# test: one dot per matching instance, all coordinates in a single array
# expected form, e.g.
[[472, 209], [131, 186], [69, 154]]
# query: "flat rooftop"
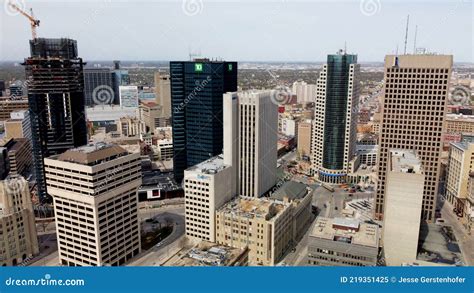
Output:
[[405, 161], [211, 166], [207, 254], [92, 154], [460, 117], [291, 190], [249, 207], [346, 230]]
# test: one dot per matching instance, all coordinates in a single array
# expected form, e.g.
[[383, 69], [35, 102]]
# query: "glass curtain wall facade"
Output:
[[197, 89]]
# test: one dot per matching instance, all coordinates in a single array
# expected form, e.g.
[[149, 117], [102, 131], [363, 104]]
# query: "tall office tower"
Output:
[[414, 104], [99, 86], [17, 222], [335, 118], [163, 94], [304, 138], [206, 188], [16, 90], [95, 192], [403, 201], [56, 101], [196, 99], [250, 140], [120, 78], [460, 165]]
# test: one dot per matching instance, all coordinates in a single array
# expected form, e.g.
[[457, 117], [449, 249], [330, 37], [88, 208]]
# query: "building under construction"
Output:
[[55, 81]]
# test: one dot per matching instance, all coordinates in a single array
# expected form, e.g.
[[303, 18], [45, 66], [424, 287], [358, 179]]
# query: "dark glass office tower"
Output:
[[197, 89], [55, 81], [335, 126], [99, 86]]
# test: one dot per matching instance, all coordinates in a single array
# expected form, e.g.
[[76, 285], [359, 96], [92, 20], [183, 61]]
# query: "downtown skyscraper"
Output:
[[54, 74], [250, 141], [335, 118], [196, 100], [414, 107]]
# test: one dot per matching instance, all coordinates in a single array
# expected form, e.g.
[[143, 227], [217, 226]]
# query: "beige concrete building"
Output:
[[460, 165], [19, 155], [131, 126], [18, 126], [209, 254], [163, 93], [469, 210], [414, 106], [150, 114], [267, 226], [18, 239], [94, 189], [403, 207], [343, 242], [206, 189], [304, 138], [9, 105], [458, 123]]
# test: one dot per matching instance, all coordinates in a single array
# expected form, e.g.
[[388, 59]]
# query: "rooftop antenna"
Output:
[[345, 47], [414, 41], [396, 52], [406, 35]]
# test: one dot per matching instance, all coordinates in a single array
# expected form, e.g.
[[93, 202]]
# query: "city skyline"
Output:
[[147, 33]]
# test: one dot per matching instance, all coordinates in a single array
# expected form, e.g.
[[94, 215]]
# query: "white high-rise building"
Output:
[[335, 118], [304, 92], [206, 188], [250, 140], [94, 188]]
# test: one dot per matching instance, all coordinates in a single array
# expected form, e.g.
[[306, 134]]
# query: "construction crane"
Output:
[[33, 21]]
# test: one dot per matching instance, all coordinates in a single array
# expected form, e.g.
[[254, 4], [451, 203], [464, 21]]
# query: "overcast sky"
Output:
[[242, 30]]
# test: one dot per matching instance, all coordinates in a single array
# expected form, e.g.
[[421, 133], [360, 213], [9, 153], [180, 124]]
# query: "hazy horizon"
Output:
[[246, 31]]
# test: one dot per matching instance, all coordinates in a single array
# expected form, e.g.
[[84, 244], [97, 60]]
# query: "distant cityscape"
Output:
[[210, 162]]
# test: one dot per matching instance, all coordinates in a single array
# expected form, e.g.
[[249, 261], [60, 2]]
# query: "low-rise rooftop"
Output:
[[92, 154], [209, 254], [346, 230], [249, 207], [405, 161], [211, 166], [291, 190]]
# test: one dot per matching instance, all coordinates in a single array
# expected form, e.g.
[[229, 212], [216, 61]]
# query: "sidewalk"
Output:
[[465, 241]]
